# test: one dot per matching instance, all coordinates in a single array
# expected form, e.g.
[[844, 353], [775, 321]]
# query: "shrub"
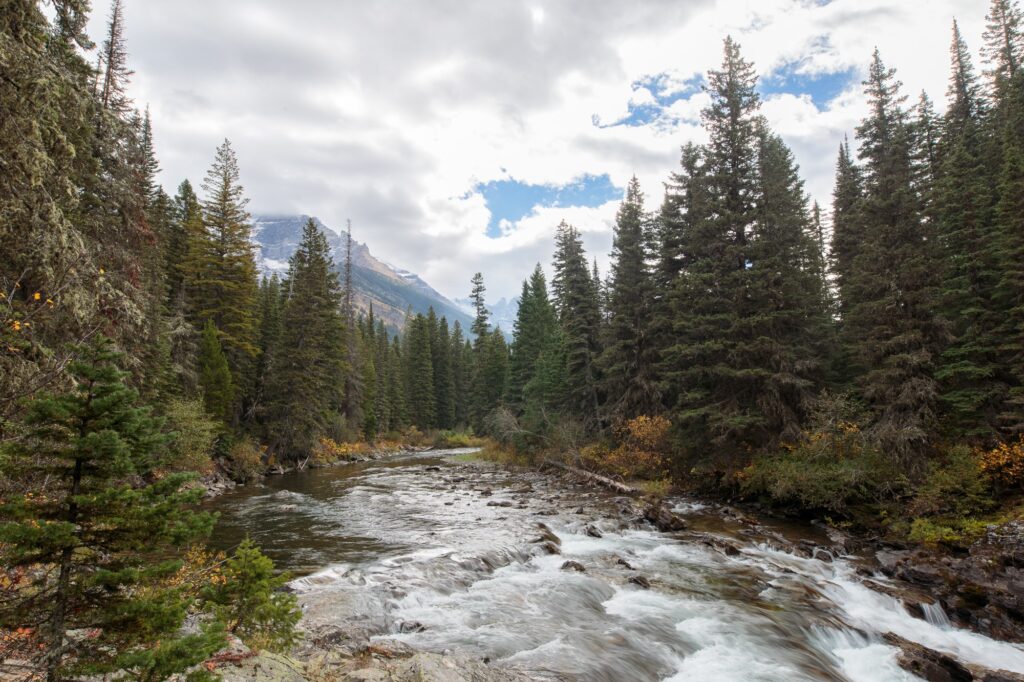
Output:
[[328, 451], [245, 460], [457, 439], [834, 466], [249, 603], [642, 451], [955, 486], [1004, 464], [195, 433]]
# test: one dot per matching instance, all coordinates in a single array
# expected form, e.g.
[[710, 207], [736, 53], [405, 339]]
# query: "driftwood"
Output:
[[604, 481]]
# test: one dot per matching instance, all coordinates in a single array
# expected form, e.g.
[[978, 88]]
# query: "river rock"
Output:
[[264, 667], [499, 503], [982, 590], [407, 626], [593, 531], [574, 566], [663, 519], [721, 544], [926, 663], [622, 562], [546, 535], [640, 581]]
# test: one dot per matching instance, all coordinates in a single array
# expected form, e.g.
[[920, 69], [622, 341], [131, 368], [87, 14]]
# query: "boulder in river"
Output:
[[593, 531], [640, 581], [926, 663], [662, 518], [574, 566]]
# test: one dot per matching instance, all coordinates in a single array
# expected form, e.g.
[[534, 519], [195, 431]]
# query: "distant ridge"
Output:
[[390, 289]]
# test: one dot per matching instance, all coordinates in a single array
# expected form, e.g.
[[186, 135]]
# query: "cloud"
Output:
[[395, 114]]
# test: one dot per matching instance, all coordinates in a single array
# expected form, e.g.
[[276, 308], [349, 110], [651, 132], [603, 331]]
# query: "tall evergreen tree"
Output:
[[535, 323], [970, 374], [220, 269], [444, 379], [629, 359], [419, 373], [580, 319], [892, 320], [307, 373], [114, 61]]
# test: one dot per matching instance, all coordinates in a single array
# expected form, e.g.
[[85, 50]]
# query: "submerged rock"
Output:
[[574, 566], [926, 663]]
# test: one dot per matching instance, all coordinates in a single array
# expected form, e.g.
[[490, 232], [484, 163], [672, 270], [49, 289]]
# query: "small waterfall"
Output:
[[936, 615]]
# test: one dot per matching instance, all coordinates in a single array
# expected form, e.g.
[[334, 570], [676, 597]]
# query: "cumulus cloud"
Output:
[[390, 113]]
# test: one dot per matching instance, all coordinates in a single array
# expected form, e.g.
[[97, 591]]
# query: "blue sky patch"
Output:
[[822, 87], [513, 200], [665, 93]]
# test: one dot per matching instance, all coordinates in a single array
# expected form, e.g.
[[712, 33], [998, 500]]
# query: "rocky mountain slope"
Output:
[[392, 291]]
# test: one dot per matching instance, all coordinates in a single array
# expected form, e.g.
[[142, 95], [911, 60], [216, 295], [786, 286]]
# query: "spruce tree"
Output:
[[462, 366], [114, 60], [972, 383], [104, 520], [215, 375], [220, 269], [580, 320], [306, 377], [629, 358], [419, 373], [891, 318], [535, 323], [444, 378]]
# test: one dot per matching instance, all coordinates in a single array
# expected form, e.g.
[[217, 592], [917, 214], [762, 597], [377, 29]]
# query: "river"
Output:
[[446, 554]]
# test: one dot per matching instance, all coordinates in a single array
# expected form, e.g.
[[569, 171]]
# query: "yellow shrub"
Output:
[[1004, 464], [641, 453], [328, 450]]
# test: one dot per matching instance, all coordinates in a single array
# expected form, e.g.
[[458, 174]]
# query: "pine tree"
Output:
[[114, 56], [214, 375], [444, 379], [396, 386], [580, 319], [481, 323], [419, 373], [99, 525], [307, 374], [891, 315], [461, 363], [970, 373], [629, 359], [1003, 48], [535, 323], [220, 269]]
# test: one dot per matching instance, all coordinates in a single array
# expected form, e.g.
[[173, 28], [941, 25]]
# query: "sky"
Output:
[[457, 135]]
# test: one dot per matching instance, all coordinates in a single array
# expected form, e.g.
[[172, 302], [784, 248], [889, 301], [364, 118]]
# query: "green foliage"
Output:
[[306, 379], [250, 603], [245, 460], [833, 467], [194, 435], [955, 486], [215, 375], [96, 522]]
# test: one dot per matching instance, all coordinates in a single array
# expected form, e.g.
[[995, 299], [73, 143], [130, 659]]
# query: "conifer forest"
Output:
[[776, 439]]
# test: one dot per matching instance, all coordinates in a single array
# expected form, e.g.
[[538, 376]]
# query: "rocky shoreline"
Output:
[[219, 481]]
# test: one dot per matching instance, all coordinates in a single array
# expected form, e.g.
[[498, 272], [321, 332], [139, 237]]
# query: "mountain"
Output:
[[391, 290]]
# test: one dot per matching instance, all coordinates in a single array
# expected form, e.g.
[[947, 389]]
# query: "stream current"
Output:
[[449, 555]]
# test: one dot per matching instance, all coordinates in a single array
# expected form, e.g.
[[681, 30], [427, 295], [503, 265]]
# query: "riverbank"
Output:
[[486, 562]]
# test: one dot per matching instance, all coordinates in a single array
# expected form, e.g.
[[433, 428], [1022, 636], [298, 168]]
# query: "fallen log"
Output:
[[592, 477]]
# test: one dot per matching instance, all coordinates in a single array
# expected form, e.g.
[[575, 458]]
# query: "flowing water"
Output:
[[447, 555]]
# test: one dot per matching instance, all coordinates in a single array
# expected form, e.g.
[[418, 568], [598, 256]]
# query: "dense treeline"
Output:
[[818, 369]]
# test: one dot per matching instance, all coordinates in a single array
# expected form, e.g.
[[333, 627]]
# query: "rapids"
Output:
[[444, 555]]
